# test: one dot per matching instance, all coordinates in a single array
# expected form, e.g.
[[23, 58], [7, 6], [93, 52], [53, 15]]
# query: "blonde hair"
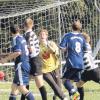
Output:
[[28, 22], [43, 30], [86, 36]]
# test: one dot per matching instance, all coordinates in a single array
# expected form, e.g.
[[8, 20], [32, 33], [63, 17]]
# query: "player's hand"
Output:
[[30, 50]]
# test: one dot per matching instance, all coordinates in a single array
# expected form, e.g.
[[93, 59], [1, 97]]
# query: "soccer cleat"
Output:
[[75, 96]]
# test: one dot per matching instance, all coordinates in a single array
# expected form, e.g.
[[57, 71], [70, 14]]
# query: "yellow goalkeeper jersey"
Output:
[[48, 54]]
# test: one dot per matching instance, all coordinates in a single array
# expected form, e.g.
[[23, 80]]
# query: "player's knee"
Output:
[[23, 89], [39, 81]]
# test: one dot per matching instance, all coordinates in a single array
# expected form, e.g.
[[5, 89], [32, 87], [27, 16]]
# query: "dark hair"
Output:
[[76, 25], [14, 29]]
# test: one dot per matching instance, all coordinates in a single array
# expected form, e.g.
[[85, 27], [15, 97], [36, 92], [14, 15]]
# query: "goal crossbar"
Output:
[[57, 4]]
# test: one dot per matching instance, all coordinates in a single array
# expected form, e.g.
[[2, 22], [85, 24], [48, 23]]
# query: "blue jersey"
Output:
[[19, 45], [75, 45]]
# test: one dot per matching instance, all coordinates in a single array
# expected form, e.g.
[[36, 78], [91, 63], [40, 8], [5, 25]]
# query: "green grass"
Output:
[[92, 91]]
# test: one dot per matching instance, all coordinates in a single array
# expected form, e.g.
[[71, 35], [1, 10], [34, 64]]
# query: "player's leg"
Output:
[[27, 86], [93, 75], [40, 84], [73, 93], [80, 89], [22, 79], [85, 76], [81, 92], [14, 92], [25, 92], [57, 75], [71, 74], [57, 78], [36, 71], [48, 77], [23, 96], [96, 75]]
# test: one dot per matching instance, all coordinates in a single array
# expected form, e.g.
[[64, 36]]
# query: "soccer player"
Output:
[[91, 72], [74, 44], [22, 68], [35, 61], [49, 53]]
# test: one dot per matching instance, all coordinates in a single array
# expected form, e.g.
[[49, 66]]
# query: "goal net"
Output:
[[54, 15]]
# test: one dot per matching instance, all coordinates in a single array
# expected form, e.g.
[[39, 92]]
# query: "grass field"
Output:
[[92, 91]]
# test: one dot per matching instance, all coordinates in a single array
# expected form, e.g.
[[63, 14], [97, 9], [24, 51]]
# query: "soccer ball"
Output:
[[2, 75]]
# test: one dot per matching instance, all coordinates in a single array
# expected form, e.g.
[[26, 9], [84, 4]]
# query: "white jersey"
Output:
[[32, 42], [89, 61]]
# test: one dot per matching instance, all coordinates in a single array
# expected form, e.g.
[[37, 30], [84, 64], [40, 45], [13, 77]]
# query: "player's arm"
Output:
[[3, 55], [63, 43], [16, 46], [9, 57], [53, 48]]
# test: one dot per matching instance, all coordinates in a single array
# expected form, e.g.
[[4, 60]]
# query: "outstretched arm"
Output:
[[3, 55], [10, 56]]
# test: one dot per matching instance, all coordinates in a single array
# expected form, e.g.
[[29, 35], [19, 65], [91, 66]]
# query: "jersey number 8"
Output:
[[78, 47]]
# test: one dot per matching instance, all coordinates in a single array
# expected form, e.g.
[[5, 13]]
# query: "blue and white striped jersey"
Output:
[[89, 61], [32, 42]]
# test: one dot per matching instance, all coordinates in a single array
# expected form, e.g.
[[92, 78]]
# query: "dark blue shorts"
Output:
[[71, 73], [21, 76]]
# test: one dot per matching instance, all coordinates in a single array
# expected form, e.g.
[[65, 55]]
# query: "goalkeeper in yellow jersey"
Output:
[[49, 54]]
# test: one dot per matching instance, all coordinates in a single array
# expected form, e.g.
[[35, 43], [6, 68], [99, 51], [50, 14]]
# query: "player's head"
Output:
[[28, 23], [14, 29], [43, 34], [86, 36], [76, 26]]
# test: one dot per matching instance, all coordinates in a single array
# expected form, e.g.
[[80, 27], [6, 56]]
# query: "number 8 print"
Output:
[[78, 47]]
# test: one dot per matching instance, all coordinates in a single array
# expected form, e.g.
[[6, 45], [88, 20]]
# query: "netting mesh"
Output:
[[54, 15], [11, 7]]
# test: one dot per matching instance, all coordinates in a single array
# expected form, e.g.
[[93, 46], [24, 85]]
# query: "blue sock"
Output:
[[68, 86], [12, 97], [29, 96]]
